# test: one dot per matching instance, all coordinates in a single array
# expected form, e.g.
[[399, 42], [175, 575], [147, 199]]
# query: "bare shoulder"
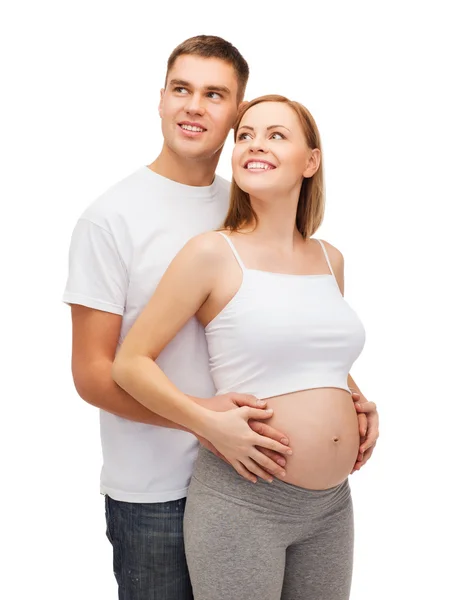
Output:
[[204, 255], [337, 261], [334, 255], [206, 242], [208, 246]]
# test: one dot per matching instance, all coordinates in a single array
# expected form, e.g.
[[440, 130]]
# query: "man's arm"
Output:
[[95, 338], [96, 290]]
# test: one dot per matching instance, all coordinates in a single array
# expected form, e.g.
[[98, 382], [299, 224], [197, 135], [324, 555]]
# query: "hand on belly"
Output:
[[323, 431]]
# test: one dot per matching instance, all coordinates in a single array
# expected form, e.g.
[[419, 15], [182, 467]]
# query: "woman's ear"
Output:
[[313, 164]]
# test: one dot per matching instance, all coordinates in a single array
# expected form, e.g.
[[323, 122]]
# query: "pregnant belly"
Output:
[[322, 428]]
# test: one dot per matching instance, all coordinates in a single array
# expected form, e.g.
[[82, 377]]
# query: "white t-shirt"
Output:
[[120, 248]]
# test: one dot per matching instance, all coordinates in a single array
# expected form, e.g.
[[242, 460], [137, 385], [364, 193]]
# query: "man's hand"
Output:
[[368, 428]]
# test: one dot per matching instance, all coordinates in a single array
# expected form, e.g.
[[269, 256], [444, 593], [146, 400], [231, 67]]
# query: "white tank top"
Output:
[[283, 333]]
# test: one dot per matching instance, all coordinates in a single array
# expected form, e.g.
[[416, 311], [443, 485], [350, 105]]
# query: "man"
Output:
[[120, 248]]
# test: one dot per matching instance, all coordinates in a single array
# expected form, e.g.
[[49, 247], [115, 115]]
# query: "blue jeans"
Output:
[[148, 549]]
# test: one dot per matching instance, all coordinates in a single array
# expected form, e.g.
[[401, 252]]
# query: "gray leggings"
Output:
[[266, 541]]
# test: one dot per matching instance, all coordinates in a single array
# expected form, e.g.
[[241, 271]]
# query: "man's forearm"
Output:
[[98, 388]]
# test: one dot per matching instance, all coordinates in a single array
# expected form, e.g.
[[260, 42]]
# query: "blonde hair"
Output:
[[310, 209]]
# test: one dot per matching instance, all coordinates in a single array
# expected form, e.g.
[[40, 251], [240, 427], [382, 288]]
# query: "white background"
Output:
[[81, 85]]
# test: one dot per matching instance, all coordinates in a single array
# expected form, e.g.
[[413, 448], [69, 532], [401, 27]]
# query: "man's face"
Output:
[[198, 106]]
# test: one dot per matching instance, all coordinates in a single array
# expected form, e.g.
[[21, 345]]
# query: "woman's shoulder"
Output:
[[335, 256], [206, 242], [208, 247], [336, 260]]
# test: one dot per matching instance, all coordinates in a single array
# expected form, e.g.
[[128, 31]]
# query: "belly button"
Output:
[[335, 439]]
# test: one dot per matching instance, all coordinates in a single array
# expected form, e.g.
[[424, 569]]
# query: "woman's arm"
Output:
[[369, 427], [184, 288]]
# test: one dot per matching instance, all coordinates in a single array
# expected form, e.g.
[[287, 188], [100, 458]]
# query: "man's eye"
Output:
[[214, 95], [180, 90]]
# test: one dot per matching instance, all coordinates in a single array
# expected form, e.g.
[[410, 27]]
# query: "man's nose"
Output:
[[195, 105]]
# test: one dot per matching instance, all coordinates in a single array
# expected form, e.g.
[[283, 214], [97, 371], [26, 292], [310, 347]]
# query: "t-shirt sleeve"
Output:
[[97, 275]]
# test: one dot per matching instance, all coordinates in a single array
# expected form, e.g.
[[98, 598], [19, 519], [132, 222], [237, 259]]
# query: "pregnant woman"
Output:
[[277, 325]]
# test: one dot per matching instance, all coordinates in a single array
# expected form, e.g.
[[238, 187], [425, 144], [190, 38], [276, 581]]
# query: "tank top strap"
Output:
[[327, 258], [234, 250]]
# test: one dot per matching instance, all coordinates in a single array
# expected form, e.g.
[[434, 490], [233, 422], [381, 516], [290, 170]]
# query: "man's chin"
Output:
[[200, 154], [193, 150]]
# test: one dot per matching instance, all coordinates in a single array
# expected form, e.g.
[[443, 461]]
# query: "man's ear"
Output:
[[162, 92], [242, 105]]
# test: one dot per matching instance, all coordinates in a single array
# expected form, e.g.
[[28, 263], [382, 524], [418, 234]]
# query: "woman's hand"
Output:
[[231, 435], [369, 428], [234, 400]]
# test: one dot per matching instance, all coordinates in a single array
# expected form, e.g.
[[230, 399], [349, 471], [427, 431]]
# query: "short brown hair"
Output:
[[310, 209], [212, 46]]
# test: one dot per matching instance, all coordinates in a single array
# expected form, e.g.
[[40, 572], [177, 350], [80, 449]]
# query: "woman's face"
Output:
[[271, 153]]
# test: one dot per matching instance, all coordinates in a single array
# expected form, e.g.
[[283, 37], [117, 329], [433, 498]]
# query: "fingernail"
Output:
[[283, 473], [269, 410], [284, 441], [289, 451], [281, 462], [358, 405], [270, 480], [261, 402]]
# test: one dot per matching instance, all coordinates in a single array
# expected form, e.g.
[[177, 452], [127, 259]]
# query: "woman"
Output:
[[271, 300]]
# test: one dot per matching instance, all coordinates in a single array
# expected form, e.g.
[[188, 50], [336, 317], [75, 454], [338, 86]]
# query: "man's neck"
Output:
[[197, 173]]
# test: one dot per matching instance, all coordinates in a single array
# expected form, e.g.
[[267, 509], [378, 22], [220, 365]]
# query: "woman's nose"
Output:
[[257, 145]]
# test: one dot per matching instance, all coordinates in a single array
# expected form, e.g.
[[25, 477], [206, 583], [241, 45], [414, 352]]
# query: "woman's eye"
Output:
[[243, 136], [277, 136]]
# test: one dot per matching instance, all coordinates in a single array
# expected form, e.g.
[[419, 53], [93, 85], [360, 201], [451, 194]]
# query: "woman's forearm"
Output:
[[353, 386], [143, 379]]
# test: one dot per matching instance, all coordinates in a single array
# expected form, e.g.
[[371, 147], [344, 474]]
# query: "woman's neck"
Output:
[[276, 222]]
